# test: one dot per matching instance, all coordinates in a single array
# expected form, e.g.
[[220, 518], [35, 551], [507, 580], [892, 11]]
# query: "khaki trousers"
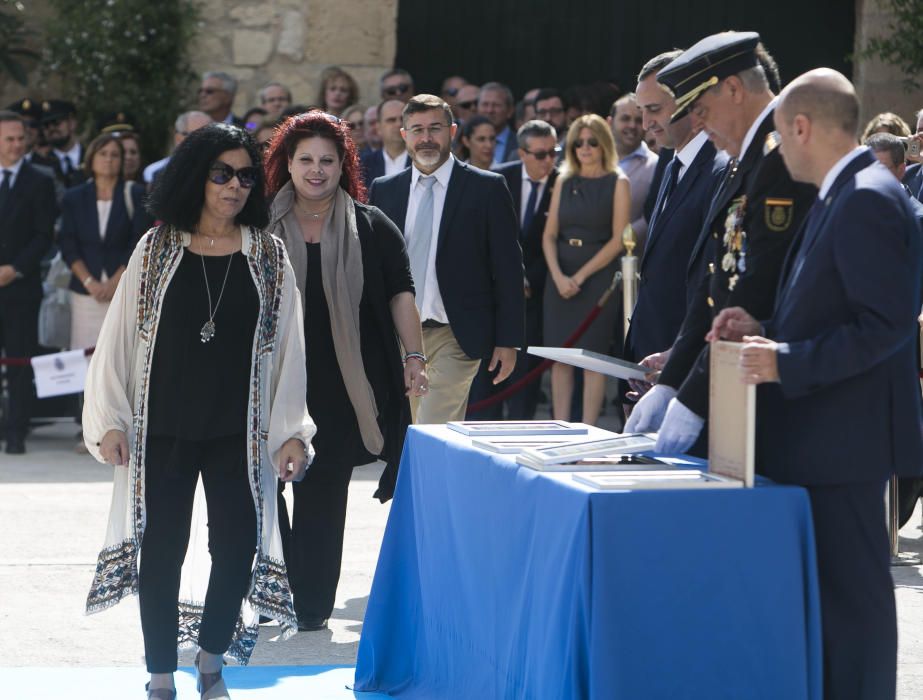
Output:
[[450, 372]]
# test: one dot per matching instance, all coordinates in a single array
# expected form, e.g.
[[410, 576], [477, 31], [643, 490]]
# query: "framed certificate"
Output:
[[731, 415], [655, 479], [485, 428]]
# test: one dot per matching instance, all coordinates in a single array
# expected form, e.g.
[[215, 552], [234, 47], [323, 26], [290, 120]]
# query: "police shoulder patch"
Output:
[[778, 214], [772, 142]]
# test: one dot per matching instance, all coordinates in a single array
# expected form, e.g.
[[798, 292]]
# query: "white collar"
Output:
[[14, 169], [73, 155], [688, 153], [525, 176], [754, 127], [442, 173], [837, 168]]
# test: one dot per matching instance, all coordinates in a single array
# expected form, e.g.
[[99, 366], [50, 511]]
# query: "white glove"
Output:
[[649, 411], [679, 430]]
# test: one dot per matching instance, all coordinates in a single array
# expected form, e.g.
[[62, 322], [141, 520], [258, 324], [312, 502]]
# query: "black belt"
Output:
[[430, 323]]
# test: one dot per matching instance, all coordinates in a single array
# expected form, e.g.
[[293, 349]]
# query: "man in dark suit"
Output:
[[751, 222], [59, 127], [461, 233], [495, 101], [27, 214], [838, 403], [392, 157], [530, 181], [676, 220]]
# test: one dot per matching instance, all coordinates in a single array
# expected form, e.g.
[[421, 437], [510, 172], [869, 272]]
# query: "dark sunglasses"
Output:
[[470, 104], [396, 89], [591, 142], [451, 92], [222, 173], [541, 155]]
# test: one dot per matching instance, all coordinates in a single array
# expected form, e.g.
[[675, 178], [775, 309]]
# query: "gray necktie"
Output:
[[419, 244]]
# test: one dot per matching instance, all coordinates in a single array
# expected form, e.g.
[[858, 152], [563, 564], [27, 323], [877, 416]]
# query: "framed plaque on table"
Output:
[[731, 416]]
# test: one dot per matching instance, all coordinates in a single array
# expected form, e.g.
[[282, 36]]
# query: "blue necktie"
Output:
[[419, 244], [530, 207]]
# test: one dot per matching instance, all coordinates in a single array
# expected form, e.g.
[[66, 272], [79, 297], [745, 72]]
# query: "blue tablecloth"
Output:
[[496, 581]]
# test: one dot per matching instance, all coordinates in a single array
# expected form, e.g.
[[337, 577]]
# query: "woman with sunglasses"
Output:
[[353, 272], [589, 209], [199, 373]]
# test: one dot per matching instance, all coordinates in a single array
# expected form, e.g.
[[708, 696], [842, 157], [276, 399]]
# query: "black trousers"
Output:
[[19, 338], [313, 544], [856, 591], [169, 495]]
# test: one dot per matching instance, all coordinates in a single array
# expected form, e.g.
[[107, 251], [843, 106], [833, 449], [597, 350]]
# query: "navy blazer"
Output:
[[848, 405], [533, 257], [79, 238], [27, 217], [478, 259], [913, 178], [674, 230], [373, 166]]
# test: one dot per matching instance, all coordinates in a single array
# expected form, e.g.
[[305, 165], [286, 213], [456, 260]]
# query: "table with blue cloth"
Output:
[[497, 581]]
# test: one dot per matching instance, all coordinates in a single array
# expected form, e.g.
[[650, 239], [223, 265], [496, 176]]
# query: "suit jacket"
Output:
[[663, 159], [26, 225], [847, 408], [743, 270], [674, 230], [533, 257], [373, 166], [510, 147], [79, 238], [913, 179], [478, 260], [76, 177]]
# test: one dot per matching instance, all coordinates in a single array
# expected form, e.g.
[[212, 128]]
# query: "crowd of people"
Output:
[[315, 277]]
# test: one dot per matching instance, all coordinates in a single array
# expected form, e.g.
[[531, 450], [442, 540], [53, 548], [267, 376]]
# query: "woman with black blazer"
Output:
[[101, 222]]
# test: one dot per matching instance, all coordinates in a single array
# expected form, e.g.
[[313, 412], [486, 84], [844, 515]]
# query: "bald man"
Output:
[[838, 403]]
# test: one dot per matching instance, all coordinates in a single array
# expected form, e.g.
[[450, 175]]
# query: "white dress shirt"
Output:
[[751, 132], [431, 306], [14, 169], [689, 152], [394, 165], [73, 155], [526, 189]]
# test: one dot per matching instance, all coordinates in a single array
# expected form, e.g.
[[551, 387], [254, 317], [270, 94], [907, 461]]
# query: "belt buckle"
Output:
[[575, 242]]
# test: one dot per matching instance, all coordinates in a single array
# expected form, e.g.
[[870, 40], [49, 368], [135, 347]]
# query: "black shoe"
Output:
[[312, 624], [15, 446]]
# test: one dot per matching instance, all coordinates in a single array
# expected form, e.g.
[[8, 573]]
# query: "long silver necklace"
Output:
[[208, 330]]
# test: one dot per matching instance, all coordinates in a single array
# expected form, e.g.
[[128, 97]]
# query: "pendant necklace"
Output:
[[312, 214], [208, 330]]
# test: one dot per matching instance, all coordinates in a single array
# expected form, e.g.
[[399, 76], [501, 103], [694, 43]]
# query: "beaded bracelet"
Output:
[[418, 355]]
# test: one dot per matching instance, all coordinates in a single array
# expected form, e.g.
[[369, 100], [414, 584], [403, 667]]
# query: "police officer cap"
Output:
[[30, 109], [53, 110], [115, 122], [707, 63]]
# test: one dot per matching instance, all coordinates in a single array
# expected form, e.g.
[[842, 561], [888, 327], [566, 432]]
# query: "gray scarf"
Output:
[[341, 271]]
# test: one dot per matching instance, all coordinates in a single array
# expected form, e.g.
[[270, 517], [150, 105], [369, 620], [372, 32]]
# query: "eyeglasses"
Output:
[[591, 142], [222, 173], [434, 130], [541, 155], [470, 104], [394, 90], [549, 112]]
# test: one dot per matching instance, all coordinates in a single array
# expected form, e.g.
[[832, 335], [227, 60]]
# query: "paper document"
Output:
[[593, 361], [731, 415], [60, 373]]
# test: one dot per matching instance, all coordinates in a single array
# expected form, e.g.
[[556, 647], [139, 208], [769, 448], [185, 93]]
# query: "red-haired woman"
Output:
[[353, 273]]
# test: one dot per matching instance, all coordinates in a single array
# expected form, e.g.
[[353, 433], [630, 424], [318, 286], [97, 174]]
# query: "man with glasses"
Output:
[[495, 101], [751, 222], [392, 157], [450, 88], [461, 231], [466, 103], [184, 125], [275, 98], [59, 127], [530, 181], [682, 201], [216, 96], [396, 84], [636, 160]]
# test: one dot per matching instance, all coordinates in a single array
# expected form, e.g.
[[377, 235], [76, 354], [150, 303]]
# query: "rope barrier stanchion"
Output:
[[26, 361], [898, 558], [537, 372]]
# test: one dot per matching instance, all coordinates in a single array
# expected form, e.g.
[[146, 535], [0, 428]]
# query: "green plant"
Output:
[[125, 55], [903, 47], [13, 38]]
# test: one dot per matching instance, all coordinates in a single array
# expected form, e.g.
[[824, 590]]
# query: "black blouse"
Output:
[[200, 391]]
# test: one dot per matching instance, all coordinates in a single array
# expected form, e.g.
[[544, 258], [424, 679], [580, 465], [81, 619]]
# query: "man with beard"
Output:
[[461, 231], [751, 222], [59, 127], [636, 160]]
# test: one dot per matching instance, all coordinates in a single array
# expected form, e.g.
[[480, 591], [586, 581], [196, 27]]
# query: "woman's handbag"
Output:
[[54, 315]]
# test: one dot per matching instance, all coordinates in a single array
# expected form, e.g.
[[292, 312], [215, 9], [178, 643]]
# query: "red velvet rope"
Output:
[[23, 361]]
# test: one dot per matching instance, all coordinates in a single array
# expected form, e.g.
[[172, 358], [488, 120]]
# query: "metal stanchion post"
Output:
[[629, 277], [898, 558]]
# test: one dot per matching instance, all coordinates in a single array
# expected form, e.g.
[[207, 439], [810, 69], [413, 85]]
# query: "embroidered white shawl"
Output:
[[116, 397]]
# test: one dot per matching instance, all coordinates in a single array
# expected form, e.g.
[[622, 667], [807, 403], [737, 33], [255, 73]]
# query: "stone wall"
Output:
[[880, 85]]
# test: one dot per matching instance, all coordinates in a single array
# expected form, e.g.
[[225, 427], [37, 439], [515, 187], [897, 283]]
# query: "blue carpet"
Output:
[[250, 683]]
